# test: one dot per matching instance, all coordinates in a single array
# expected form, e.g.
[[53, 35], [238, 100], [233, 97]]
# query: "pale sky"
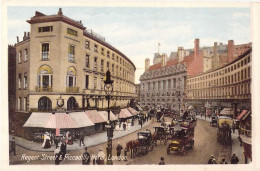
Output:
[[136, 31]]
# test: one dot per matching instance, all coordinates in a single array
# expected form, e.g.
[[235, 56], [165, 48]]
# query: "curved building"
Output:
[[228, 86], [61, 65]]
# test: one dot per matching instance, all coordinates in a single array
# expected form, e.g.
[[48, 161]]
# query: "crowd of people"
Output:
[[234, 160]]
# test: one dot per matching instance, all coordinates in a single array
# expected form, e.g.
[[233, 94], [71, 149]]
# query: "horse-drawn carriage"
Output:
[[224, 129], [183, 136], [160, 134], [142, 145]]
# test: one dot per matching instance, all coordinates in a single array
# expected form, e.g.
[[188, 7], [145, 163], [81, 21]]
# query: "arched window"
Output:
[[44, 78], [71, 77], [72, 104], [44, 104]]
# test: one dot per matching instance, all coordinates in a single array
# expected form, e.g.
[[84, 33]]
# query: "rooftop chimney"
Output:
[[60, 12], [230, 50], [163, 60], [196, 47], [17, 39], [147, 64], [180, 54], [24, 36]]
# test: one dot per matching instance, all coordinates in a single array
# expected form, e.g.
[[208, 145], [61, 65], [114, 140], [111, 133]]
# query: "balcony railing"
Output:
[[43, 89], [72, 89]]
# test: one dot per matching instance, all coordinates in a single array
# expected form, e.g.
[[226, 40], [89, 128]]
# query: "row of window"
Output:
[[45, 48], [235, 90], [226, 70], [22, 104], [108, 55], [23, 55], [115, 70], [229, 79], [24, 85]]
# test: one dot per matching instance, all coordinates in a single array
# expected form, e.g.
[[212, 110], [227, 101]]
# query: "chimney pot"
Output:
[[60, 11], [17, 39]]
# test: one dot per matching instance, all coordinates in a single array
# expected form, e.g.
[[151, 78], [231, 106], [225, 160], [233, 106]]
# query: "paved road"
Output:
[[205, 145]]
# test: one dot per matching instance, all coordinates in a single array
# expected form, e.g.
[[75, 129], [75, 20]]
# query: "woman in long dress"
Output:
[[69, 138], [46, 142], [129, 125]]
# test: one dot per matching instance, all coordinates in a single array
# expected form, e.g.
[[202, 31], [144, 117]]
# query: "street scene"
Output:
[[175, 93]]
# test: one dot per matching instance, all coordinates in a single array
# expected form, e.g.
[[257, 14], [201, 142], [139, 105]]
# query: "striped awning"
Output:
[[104, 115], [132, 111], [139, 107], [81, 119], [61, 120], [37, 120], [94, 116], [124, 113]]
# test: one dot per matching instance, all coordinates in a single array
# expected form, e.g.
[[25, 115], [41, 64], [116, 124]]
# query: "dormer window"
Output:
[[45, 29]]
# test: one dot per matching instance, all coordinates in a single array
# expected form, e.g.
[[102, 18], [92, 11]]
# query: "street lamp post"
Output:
[[108, 87]]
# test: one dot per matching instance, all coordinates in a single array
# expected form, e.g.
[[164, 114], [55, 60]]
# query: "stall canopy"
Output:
[[124, 113], [190, 107], [226, 111], [61, 120], [243, 115], [132, 111], [81, 119], [94, 116], [104, 115], [139, 107], [38, 120]]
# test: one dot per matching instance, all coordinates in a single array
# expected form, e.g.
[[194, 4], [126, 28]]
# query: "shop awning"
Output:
[[61, 120], [94, 116], [37, 120], [242, 114], [139, 107], [124, 113], [226, 111], [190, 107], [132, 111], [104, 115], [81, 119]]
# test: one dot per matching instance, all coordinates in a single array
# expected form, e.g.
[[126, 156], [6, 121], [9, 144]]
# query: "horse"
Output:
[[132, 146]]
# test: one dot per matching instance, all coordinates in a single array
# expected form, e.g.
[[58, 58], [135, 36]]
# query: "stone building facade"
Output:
[[163, 84], [227, 86], [60, 59]]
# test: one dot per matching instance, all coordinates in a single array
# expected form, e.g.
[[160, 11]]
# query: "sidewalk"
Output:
[[91, 140], [236, 148]]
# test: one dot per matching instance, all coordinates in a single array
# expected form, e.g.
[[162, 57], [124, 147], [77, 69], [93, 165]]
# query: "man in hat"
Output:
[[86, 157], [63, 148], [118, 150], [81, 140], [162, 161], [57, 154], [211, 159], [13, 146], [234, 159]]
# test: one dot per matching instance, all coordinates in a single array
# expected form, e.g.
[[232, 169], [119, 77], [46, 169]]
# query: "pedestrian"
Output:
[[57, 154], [125, 154], [124, 126], [141, 123], [223, 161], [81, 139], [86, 157], [13, 148], [63, 149], [240, 140], [162, 161], [118, 150], [211, 159], [205, 116], [234, 159], [233, 127], [214, 161], [101, 157], [56, 141]]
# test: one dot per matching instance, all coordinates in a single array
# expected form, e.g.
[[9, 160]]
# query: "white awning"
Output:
[[81, 119], [226, 111], [38, 120], [139, 107], [104, 115], [132, 111]]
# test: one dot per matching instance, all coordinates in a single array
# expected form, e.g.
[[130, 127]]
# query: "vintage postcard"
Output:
[[130, 84]]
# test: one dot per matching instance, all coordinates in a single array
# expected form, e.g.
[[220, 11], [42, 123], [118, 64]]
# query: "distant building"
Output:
[[138, 92], [163, 84]]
